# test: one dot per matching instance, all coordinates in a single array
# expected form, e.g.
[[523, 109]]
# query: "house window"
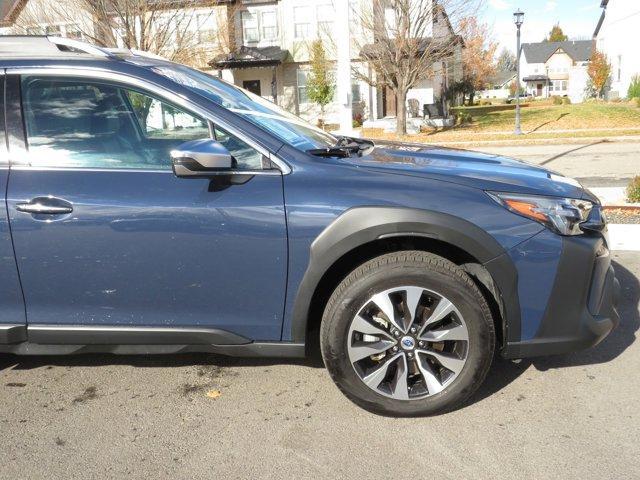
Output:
[[301, 22], [250, 31], [390, 20], [325, 15], [206, 30], [302, 76], [356, 95], [269, 25], [53, 30], [73, 31], [259, 26]]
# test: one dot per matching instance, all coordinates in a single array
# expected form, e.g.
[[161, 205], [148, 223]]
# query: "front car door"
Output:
[[106, 235]]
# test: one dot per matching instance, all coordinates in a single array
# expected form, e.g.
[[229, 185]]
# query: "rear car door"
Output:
[[12, 316], [106, 235]]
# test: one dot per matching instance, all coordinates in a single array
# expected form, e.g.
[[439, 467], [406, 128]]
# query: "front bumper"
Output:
[[581, 310]]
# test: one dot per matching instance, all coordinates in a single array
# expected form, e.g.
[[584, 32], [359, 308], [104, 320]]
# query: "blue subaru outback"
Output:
[[152, 208]]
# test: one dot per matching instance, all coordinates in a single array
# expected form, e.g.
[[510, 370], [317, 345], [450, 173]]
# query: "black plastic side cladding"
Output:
[[362, 225]]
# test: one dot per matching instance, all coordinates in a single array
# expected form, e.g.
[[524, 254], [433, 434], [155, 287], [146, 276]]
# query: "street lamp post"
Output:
[[518, 18]]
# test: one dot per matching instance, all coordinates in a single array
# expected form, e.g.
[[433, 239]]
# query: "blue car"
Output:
[[152, 208]]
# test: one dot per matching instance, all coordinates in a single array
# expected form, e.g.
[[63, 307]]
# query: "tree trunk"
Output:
[[471, 95], [401, 111]]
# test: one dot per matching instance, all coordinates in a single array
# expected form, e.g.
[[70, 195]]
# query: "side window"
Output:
[[158, 119], [246, 157], [90, 124]]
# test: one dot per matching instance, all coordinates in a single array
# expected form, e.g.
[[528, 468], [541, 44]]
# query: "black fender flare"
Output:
[[361, 225]]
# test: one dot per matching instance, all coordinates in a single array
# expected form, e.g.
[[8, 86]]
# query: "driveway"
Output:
[[198, 416]]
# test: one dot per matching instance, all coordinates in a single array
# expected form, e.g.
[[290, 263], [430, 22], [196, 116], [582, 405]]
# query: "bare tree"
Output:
[[406, 41], [171, 28]]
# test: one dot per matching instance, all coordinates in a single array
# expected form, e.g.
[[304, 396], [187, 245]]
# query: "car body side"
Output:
[[339, 213]]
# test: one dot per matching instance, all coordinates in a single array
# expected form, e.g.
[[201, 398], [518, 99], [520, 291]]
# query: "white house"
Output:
[[271, 58], [498, 86], [556, 68], [618, 36]]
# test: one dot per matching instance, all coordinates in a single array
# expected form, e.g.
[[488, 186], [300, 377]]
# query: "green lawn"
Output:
[[561, 117], [539, 121]]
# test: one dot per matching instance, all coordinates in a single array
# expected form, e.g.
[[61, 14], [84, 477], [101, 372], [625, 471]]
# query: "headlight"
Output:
[[562, 215]]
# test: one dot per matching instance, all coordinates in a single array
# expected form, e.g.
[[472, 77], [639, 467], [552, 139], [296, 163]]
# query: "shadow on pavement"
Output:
[[503, 372], [581, 147]]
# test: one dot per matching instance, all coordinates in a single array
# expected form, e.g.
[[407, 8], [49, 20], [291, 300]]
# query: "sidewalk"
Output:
[[624, 237]]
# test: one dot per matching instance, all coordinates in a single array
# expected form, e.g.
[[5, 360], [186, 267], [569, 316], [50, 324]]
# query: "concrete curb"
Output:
[[624, 237]]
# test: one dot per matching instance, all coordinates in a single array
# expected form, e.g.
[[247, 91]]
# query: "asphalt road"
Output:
[[597, 163], [99, 417]]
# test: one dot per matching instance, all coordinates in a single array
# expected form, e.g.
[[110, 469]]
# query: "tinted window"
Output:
[[246, 158], [82, 123]]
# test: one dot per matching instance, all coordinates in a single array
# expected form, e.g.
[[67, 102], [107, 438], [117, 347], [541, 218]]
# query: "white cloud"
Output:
[[500, 4], [550, 6]]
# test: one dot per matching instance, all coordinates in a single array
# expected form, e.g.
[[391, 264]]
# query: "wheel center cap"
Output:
[[407, 343]]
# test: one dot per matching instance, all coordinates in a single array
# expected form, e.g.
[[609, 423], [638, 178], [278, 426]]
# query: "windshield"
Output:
[[289, 128]]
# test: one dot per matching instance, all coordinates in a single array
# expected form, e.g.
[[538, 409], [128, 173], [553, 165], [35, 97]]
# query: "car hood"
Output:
[[474, 169]]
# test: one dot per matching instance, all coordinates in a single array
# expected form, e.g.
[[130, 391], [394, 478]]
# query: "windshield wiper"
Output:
[[345, 147]]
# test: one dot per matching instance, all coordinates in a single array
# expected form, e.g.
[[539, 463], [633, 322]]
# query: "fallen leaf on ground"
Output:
[[213, 394]]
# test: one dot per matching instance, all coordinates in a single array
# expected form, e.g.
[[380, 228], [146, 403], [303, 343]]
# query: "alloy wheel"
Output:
[[408, 343]]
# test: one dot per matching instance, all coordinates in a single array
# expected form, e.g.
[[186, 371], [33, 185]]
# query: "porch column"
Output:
[[372, 96], [274, 85], [227, 75], [343, 76]]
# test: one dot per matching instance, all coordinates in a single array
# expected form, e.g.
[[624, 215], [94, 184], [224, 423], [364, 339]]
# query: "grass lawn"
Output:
[[538, 122]]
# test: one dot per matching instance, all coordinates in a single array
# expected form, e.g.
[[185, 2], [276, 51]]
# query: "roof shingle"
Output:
[[578, 50]]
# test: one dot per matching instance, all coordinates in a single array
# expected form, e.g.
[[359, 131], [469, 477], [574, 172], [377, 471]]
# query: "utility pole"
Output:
[[343, 76]]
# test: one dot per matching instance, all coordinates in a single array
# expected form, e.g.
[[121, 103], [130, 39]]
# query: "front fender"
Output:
[[362, 225]]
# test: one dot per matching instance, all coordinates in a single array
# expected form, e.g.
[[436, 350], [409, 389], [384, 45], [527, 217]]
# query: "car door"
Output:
[[12, 316], [106, 235]]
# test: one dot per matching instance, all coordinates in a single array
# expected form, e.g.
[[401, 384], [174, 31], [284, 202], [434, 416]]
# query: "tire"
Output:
[[444, 373]]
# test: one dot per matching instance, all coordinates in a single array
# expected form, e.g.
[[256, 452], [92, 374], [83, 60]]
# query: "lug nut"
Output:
[[421, 343], [396, 333], [414, 329], [410, 354], [395, 348]]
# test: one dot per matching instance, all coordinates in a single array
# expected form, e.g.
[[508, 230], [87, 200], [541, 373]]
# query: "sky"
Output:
[[578, 19]]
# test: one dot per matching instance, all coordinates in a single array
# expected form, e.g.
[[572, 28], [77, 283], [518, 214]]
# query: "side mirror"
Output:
[[200, 158]]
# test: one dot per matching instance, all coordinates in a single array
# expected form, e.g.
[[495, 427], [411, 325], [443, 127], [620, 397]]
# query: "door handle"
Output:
[[46, 206]]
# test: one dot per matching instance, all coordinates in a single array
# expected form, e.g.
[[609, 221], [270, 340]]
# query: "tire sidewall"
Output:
[[468, 301]]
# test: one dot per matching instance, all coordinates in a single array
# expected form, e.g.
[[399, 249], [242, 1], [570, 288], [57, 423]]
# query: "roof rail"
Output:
[[81, 46], [135, 53], [37, 46]]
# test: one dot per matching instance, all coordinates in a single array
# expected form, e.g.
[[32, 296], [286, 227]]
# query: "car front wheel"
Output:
[[407, 334]]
